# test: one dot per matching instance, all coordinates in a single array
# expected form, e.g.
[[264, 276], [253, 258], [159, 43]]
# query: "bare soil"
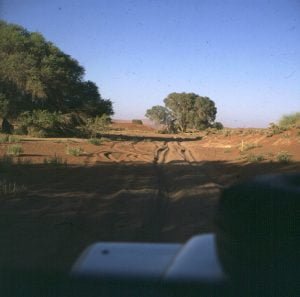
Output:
[[134, 186]]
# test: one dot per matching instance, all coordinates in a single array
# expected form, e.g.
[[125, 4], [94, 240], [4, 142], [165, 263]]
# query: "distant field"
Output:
[[132, 185]]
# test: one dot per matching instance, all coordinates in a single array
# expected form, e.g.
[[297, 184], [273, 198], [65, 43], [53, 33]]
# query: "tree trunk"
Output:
[[6, 127]]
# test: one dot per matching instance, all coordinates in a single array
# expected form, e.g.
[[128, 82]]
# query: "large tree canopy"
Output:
[[184, 110], [35, 74]]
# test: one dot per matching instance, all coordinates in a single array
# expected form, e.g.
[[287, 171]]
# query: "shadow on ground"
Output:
[[67, 208], [149, 138]]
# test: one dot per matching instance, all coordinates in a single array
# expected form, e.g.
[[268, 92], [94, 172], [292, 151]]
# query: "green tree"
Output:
[[87, 99], [203, 114], [161, 115], [181, 108], [183, 111], [190, 110], [37, 75]]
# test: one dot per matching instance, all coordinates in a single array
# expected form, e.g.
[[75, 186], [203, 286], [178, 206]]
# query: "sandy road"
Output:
[[131, 190], [178, 178], [147, 192], [173, 152]]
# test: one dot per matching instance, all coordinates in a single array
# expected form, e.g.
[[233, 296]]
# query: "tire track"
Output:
[[160, 154], [207, 171], [188, 155], [155, 209], [171, 183], [174, 152], [119, 154]]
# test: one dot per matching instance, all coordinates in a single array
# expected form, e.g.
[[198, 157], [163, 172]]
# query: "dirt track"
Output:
[[157, 191]]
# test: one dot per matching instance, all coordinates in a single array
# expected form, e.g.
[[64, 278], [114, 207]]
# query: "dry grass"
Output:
[[9, 139], [10, 189], [55, 161], [284, 157], [15, 150], [255, 158], [74, 151], [248, 146], [95, 141]]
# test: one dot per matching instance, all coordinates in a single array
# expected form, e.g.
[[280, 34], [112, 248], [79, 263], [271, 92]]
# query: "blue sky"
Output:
[[244, 55]]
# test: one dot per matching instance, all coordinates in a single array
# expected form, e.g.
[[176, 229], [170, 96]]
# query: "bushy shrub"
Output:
[[255, 158], [42, 123], [218, 125], [38, 132], [283, 157], [71, 125], [137, 122], [74, 151], [97, 125], [290, 121], [95, 141], [274, 129]]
